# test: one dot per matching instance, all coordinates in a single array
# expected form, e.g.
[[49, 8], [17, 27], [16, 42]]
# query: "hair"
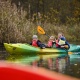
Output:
[[52, 37], [60, 33], [35, 37]]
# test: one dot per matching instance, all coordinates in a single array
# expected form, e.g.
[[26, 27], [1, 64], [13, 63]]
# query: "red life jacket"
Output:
[[50, 43], [34, 43], [57, 45]]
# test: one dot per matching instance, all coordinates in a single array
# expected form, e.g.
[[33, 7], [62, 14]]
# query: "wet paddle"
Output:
[[41, 31]]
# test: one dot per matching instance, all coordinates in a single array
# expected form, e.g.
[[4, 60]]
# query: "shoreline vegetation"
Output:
[[15, 27]]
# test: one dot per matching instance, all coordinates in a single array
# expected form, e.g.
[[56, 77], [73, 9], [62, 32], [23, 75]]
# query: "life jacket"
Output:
[[61, 42], [57, 45], [50, 43], [34, 43]]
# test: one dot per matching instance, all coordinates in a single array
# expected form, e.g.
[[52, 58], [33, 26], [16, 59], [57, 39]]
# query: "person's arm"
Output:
[[67, 44], [40, 44]]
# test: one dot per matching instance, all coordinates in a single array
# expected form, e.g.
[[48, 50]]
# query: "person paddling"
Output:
[[61, 42], [51, 41], [37, 43]]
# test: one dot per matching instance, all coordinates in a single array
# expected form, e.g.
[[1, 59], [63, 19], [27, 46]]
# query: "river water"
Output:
[[71, 67]]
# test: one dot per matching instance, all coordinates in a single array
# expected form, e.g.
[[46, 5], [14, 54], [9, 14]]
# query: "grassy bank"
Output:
[[15, 27]]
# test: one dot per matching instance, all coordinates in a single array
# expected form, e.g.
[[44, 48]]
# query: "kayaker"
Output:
[[51, 42], [61, 42], [37, 43]]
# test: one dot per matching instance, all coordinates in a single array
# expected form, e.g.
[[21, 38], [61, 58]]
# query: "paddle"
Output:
[[41, 31]]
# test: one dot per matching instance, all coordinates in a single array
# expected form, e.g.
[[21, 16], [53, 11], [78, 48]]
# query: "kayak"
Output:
[[19, 51], [74, 48], [19, 48], [27, 49]]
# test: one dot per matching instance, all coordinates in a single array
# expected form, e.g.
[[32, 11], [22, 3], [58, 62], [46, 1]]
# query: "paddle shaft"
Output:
[[47, 35]]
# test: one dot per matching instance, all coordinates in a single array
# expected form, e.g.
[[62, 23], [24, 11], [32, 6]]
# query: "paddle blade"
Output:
[[40, 30]]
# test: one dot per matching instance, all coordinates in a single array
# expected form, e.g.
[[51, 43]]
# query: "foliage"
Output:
[[13, 23], [19, 19], [54, 11]]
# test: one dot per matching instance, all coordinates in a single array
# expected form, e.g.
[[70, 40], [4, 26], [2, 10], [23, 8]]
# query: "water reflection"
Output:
[[58, 64], [65, 65], [75, 58]]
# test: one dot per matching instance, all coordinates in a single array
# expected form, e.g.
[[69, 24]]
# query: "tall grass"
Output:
[[15, 27]]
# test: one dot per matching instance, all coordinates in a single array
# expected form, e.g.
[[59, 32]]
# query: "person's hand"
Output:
[[43, 47], [62, 46], [65, 46]]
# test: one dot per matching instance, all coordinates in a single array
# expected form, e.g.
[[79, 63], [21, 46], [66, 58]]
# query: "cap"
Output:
[[63, 38], [35, 37]]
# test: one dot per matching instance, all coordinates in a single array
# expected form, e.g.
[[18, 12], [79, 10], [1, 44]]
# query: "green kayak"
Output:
[[26, 53], [20, 50], [27, 49]]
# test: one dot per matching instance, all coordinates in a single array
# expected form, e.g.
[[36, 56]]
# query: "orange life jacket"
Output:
[[34, 43]]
